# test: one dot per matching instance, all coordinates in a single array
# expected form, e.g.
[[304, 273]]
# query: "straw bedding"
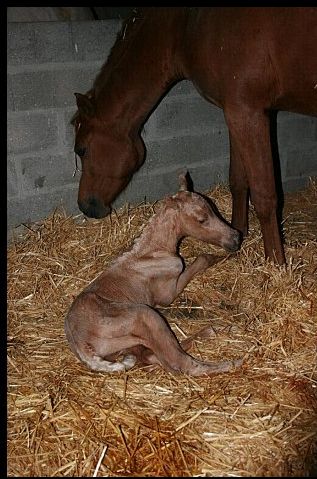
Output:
[[261, 420]]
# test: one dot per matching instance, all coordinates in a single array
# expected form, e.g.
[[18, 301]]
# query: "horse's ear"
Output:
[[185, 182], [85, 105]]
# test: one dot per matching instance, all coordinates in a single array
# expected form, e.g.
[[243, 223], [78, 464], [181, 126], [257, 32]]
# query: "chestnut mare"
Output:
[[245, 60]]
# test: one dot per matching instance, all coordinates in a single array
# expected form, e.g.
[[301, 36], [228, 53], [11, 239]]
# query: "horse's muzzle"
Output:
[[94, 208]]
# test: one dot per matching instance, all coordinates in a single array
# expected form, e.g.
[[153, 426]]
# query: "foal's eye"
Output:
[[80, 151], [202, 220]]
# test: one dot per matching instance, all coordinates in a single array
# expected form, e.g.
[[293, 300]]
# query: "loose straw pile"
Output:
[[261, 420]]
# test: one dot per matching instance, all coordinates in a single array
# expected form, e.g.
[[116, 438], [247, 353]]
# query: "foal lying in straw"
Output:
[[115, 317]]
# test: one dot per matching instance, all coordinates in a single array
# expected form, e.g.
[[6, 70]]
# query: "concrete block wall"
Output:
[[49, 61]]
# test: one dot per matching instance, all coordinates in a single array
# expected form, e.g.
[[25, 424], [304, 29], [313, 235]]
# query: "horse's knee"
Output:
[[265, 204]]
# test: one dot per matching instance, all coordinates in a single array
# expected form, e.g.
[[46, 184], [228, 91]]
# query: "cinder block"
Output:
[[12, 179], [152, 186], [40, 205], [301, 161], [184, 87], [206, 176], [294, 129], [192, 115], [188, 150], [10, 103], [68, 129], [94, 40], [39, 42], [44, 42], [295, 184], [51, 88], [155, 184], [136, 191], [31, 132], [47, 172]]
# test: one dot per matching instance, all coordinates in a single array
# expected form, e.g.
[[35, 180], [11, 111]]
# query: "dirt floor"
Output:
[[261, 420]]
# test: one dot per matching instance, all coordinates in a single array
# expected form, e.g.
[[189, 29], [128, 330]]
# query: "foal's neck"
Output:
[[143, 64], [162, 233]]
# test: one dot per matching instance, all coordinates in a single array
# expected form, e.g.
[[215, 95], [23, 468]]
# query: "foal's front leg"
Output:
[[201, 263]]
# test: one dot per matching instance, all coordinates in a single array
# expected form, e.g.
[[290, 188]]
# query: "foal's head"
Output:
[[109, 158], [198, 218]]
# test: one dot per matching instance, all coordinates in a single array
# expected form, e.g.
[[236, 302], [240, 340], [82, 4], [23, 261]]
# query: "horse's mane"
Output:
[[129, 29]]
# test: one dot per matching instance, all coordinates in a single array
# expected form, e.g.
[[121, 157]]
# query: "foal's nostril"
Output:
[[94, 208], [235, 242]]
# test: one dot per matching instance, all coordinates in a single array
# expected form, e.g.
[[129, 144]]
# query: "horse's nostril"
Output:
[[94, 208]]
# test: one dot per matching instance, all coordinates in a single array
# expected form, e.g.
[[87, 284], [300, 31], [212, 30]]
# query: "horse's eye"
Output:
[[202, 220], [80, 151]]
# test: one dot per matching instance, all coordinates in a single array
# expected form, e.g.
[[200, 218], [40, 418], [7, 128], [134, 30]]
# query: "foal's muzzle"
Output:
[[234, 243], [94, 208]]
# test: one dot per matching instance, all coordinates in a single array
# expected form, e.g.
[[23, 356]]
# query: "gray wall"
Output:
[[48, 62]]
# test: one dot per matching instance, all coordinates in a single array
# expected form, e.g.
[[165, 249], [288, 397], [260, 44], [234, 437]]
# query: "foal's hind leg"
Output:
[[146, 357], [156, 335], [98, 329]]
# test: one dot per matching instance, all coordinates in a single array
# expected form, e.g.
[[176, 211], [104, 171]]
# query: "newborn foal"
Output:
[[115, 317]]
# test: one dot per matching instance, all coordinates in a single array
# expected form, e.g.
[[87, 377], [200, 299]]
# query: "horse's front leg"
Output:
[[165, 290], [239, 188], [250, 132], [201, 263]]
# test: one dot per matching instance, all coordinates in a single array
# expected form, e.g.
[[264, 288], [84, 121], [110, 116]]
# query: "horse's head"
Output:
[[109, 158]]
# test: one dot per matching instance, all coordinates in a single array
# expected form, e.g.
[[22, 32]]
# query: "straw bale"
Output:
[[261, 420]]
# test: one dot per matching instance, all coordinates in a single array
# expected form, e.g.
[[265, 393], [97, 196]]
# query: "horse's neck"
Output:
[[138, 73], [162, 233]]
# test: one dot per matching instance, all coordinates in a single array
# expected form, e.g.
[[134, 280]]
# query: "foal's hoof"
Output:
[[210, 259], [209, 369]]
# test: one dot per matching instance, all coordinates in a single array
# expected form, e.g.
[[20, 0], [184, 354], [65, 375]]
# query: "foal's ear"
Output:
[[185, 182], [85, 105]]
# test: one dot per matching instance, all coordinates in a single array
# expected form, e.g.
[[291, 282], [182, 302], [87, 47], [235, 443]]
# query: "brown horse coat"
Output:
[[246, 60]]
